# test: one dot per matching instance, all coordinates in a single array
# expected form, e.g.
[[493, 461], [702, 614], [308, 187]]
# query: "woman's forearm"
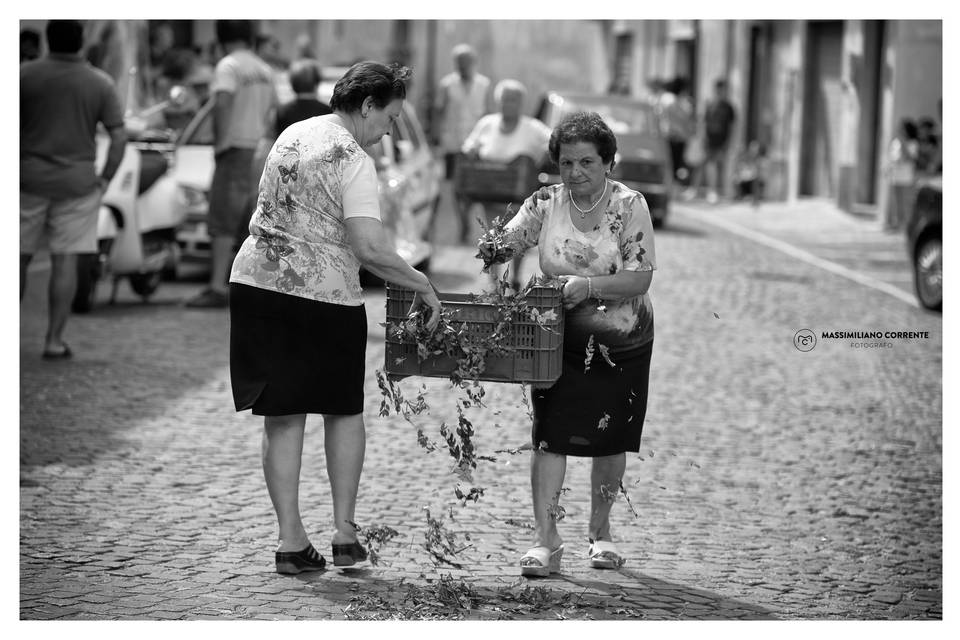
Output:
[[625, 284], [389, 266]]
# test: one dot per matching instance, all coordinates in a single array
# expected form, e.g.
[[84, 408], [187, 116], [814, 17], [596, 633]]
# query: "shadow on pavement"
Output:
[[557, 597], [131, 362]]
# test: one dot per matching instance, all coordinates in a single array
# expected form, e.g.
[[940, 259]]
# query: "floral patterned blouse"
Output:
[[622, 241], [315, 177]]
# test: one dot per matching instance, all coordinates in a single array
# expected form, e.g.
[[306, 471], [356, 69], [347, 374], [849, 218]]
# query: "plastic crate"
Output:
[[488, 181], [536, 357]]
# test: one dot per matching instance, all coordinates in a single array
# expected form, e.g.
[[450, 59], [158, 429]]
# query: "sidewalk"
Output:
[[817, 227]]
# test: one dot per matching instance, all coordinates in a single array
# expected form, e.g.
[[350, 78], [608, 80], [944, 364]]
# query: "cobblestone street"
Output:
[[771, 483]]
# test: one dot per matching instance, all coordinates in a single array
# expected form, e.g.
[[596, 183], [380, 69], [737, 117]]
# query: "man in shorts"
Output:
[[243, 113], [62, 98]]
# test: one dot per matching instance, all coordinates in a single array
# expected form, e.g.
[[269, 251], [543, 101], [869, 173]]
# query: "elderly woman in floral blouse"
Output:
[[298, 325], [596, 236]]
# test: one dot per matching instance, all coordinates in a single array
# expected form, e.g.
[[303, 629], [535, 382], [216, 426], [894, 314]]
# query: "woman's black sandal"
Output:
[[291, 562], [346, 555]]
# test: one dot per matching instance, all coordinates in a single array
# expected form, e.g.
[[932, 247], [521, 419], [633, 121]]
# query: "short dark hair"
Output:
[[304, 75], [30, 36], [381, 82], [584, 126], [234, 31], [65, 36]]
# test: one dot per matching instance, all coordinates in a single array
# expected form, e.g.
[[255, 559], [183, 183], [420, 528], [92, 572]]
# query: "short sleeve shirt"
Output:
[[62, 98], [622, 241], [315, 177], [466, 104], [250, 80], [529, 138]]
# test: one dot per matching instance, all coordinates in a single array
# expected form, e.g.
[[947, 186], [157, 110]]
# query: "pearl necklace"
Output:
[[584, 213]]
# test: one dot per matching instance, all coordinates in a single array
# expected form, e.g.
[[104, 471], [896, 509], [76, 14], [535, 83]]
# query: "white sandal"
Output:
[[541, 561], [604, 555]]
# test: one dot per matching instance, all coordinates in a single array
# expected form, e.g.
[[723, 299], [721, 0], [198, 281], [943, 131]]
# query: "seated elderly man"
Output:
[[503, 137]]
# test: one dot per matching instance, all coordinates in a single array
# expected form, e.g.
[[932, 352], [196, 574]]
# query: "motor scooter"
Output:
[[136, 225]]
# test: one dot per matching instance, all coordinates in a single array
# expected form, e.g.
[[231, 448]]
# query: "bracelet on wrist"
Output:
[[589, 287]]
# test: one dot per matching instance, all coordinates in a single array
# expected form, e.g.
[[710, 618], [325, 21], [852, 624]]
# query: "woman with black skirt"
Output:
[[298, 328], [596, 235]]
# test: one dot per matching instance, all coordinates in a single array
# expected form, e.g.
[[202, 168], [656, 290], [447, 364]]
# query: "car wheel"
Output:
[[145, 284], [928, 273], [88, 274]]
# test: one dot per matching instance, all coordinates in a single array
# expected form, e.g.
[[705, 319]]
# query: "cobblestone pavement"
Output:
[[772, 484]]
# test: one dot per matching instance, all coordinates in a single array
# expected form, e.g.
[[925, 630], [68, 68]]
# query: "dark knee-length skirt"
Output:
[[595, 413], [291, 355]]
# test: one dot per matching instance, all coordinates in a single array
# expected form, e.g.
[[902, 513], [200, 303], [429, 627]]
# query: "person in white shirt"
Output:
[[242, 115], [463, 97], [505, 136]]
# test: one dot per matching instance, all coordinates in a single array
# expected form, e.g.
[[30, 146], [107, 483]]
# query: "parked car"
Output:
[[409, 181], [643, 155], [925, 242]]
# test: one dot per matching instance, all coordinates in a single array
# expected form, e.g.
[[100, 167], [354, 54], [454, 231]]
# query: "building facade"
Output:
[[823, 97]]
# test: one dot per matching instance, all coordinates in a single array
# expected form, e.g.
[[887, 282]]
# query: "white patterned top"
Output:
[[622, 241], [315, 177]]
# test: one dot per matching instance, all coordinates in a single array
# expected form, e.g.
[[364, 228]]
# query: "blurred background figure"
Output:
[[62, 100], [242, 116], [902, 157], [928, 146], [718, 122], [503, 137], [680, 123], [304, 80], [749, 173], [29, 45], [463, 98]]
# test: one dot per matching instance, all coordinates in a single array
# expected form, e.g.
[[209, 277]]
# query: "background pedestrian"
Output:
[[504, 137], [62, 99], [304, 79], [680, 122], [902, 171], [718, 119], [29, 45], [243, 114], [462, 98]]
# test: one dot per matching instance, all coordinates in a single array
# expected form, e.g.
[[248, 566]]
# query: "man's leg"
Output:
[[221, 261], [63, 285], [229, 196], [24, 263], [73, 230]]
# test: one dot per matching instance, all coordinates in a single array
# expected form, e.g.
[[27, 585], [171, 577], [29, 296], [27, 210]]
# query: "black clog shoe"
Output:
[[291, 562]]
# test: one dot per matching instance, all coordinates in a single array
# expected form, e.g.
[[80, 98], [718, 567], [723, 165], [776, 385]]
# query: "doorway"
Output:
[[821, 109], [868, 77]]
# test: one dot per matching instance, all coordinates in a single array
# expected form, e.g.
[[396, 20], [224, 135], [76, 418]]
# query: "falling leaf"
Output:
[[604, 422], [715, 315], [589, 352], [605, 352]]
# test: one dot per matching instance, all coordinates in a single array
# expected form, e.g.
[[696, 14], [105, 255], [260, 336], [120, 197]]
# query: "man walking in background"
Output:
[[463, 98], [62, 98], [718, 120], [242, 115]]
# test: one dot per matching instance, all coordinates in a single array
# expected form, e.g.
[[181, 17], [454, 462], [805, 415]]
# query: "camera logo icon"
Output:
[[805, 340]]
